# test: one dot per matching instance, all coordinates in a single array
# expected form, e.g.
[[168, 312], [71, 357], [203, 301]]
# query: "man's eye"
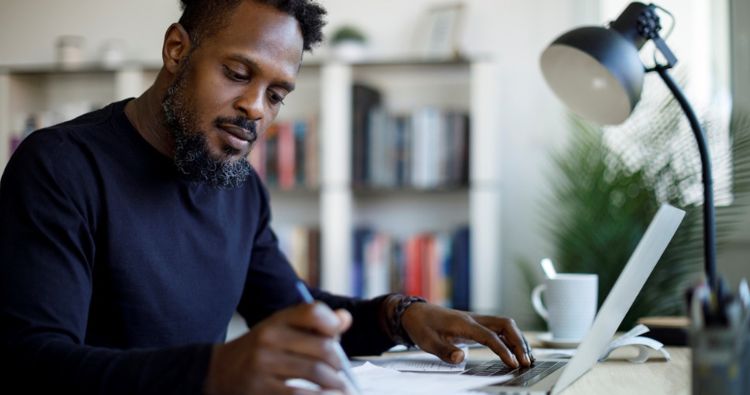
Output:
[[276, 98], [232, 75]]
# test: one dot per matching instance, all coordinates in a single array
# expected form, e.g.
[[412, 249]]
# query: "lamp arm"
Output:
[[709, 222]]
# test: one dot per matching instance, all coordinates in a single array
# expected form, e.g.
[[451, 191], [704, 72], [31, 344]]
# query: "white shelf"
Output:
[[324, 91], [56, 94], [336, 194]]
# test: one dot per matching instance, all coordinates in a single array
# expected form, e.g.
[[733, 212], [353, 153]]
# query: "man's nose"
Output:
[[251, 103]]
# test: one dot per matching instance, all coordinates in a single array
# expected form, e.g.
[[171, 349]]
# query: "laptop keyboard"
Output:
[[522, 377]]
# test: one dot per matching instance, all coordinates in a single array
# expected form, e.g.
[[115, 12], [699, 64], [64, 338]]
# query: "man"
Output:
[[130, 235]]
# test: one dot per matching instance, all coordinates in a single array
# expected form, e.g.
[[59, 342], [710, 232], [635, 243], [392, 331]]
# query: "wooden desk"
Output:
[[619, 376]]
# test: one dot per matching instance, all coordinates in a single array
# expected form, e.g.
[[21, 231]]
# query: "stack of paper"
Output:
[[422, 362], [375, 380]]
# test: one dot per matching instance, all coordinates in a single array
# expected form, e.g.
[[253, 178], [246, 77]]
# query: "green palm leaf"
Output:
[[612, 181]]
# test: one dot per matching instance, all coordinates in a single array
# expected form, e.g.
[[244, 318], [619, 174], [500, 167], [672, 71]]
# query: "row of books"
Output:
[[301, 245], [432, 265], [286, 156], [426, 149]]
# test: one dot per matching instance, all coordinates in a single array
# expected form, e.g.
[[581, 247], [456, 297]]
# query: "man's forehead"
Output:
[[257, 29]]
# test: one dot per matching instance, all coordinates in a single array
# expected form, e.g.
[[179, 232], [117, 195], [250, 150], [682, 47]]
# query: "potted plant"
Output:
[[348, 43], [611, 182]]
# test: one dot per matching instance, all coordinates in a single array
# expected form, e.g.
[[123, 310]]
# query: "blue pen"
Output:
[[347, 368]]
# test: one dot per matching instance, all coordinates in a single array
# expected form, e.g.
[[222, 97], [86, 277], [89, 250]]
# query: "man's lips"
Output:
[[240, 133], [237, 137]]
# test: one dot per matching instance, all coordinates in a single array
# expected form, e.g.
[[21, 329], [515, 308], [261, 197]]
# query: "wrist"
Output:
[[399, 333]]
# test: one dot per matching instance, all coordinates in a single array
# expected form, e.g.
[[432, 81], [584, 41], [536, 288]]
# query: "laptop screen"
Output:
[[652, 245]]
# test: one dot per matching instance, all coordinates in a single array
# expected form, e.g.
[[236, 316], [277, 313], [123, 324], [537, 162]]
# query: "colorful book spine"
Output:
[[287, 155], [312, 154], [301, 246], [258, 156], [427, 149], [431, 265]]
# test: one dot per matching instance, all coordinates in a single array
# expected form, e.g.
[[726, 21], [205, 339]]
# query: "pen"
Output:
[[347, 368]]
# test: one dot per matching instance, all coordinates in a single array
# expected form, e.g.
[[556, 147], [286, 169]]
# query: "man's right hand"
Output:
[[297, 342]]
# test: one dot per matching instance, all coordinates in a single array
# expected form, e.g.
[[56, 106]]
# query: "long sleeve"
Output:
[[366, 336], [270, 286], [48, 244]]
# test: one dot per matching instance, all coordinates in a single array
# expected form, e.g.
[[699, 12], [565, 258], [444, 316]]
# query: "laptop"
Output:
[[552, 376]]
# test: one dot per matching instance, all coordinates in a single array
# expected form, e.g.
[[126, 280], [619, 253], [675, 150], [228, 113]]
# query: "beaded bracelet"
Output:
[[399, 334]]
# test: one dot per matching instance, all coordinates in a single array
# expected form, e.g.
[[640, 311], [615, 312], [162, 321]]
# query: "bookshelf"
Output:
[[324, 93], [52, 94], [467, 85]]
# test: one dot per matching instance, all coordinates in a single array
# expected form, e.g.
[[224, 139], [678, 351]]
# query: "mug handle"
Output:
[[536, 300]]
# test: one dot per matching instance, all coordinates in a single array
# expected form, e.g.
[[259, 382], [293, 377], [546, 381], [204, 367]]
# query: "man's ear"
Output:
[[176, 47]]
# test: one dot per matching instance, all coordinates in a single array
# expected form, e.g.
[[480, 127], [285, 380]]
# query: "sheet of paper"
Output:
[[421, 362], [375, 380]]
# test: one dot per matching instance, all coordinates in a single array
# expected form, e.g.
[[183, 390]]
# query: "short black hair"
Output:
[[202, 18]]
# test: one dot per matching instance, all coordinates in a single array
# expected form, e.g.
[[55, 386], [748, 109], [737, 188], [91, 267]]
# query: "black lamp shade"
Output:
[[596, 72]]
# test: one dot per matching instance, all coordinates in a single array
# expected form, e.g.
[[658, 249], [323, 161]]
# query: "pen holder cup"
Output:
[[721, 361]]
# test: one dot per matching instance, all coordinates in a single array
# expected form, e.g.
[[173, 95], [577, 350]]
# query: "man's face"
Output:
[[229, 90]]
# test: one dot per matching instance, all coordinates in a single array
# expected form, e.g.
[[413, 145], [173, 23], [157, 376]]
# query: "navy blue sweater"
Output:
[[117, 275]]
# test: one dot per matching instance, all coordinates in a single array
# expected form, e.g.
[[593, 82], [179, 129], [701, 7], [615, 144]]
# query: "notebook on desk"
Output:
[[551, 376]]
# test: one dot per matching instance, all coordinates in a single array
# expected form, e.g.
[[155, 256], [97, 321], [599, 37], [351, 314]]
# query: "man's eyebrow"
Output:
[[286, 85]]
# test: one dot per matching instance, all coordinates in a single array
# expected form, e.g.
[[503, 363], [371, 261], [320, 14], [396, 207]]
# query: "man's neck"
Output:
[[146, 115]]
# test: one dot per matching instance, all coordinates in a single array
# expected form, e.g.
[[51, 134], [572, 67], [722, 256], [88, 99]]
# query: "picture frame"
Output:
[[440, 31]]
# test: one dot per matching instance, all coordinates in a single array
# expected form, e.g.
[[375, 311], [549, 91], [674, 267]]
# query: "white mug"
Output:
[[571, 301]]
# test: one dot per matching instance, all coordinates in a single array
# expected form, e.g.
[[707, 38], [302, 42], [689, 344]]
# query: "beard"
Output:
[[192, 157]]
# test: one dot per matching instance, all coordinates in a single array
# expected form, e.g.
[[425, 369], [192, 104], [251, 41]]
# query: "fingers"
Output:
[[288, 366], [294, 341], [445, 351], [490, 339], [298, 342], [528, 350], [346, 319], [285, 389], [511, 336]]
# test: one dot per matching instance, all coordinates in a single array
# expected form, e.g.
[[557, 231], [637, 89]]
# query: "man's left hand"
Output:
[[437, 329]]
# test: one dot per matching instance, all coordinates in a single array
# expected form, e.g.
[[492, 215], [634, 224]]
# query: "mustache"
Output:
[[240, 122]]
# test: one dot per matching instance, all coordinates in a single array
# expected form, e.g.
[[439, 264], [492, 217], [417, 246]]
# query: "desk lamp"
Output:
[[597, 73]]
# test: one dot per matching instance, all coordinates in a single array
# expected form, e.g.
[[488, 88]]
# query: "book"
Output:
[[413, 281], [298, 254], [402, 150], [377, 266], [271, 156], [427, 149], [360, 240], [312, 154], [433, 265], [313, 257], [285, 155], [258, 156], [300, 128], [301, 246], [460, 269], [364, 100]]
